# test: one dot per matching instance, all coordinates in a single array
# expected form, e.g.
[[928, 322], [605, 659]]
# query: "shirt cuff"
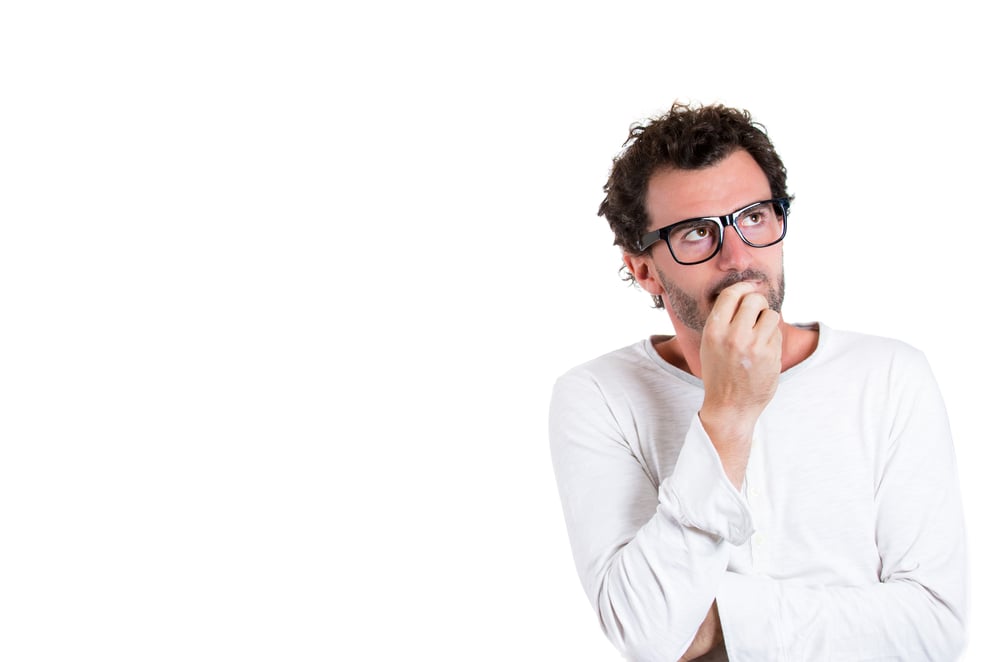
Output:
[[700, 493]]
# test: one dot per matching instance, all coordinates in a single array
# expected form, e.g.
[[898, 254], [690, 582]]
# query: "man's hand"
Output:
[[740, 365], [708, 637]]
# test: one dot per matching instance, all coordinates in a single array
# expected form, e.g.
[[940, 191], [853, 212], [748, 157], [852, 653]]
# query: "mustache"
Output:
[[732, 279]]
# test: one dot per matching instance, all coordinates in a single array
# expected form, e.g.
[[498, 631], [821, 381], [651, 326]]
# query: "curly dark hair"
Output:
[[688, 137]]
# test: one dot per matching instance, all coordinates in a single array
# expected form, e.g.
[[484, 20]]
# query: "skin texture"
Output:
[[687, 309], [726, 313], [709, 636]]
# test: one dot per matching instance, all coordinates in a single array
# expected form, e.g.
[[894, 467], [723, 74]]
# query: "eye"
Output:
[[754, 217], [693, 234], [697, 234]]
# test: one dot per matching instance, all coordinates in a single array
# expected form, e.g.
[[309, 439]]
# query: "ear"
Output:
[[642, 269]]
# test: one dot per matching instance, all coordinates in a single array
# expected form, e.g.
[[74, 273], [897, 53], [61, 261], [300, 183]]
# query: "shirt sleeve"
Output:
[[917, 610], [651, 557]]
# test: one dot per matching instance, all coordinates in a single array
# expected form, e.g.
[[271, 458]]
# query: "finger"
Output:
[[751, 307], [729, 299], [768, 330], [767, 321], [775, 341]]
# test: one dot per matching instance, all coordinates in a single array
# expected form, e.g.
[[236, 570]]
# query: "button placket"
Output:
[[756, 493]]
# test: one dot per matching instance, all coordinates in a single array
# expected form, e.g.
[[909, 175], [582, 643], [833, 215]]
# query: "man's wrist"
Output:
[[731, 435], [708, 638]]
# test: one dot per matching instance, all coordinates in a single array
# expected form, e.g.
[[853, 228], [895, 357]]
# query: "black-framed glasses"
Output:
[[698, 240]]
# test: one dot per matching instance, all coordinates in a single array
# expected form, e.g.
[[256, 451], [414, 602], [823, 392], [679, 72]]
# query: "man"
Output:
[[750, 489]]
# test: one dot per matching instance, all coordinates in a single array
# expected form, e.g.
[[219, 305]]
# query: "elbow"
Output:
[[953, 634], [946, 637], [636, 637]]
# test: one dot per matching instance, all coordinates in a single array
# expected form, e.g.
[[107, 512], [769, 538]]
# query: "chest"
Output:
[[810, 484]]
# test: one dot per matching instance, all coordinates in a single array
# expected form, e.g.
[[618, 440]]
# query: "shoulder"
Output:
[[626, 359], [838, 342], [599, 381], [870, 354], [624, 369]]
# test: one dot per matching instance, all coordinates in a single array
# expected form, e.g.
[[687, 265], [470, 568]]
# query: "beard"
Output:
[[688, 309]]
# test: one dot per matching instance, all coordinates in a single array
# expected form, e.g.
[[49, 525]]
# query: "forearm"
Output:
[[740, 357], [732, 436], [652, 592], [768, 619], [708, 637], [650, 548], [655, 593]]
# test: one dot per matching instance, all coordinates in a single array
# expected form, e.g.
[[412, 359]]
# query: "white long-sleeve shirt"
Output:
[[845, 543]]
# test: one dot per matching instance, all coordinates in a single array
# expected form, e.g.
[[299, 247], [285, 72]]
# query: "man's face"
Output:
[[675, 195]]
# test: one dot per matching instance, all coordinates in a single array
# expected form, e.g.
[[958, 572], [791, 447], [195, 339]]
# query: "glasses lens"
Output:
[[695, 240], [762, 224]]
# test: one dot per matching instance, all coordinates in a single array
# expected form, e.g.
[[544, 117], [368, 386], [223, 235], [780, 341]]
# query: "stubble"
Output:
[[688, 310]]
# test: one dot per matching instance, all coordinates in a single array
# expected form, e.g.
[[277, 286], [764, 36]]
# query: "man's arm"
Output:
[[917, 611], [651, 557], [740, 364], [708, 637], [652, 561]]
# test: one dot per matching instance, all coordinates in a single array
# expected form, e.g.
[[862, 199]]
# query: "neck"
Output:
[[684, 350]]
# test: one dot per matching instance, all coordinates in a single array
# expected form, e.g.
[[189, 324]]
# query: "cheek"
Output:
[[689, 281], [771, 260]]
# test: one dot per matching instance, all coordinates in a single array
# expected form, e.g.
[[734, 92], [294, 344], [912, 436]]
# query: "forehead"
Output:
[[674, 195]]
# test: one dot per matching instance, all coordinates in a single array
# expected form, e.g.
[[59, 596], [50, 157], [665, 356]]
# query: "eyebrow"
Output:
[[701, 218]]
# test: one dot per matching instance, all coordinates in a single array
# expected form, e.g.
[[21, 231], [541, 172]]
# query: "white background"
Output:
[[284, 288]]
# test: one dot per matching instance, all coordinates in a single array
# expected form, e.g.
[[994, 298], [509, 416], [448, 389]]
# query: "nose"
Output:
[[734, 255]]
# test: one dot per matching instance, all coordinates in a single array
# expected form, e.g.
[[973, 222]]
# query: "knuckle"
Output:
[[718, 337], [769, 317], [735, 342]]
